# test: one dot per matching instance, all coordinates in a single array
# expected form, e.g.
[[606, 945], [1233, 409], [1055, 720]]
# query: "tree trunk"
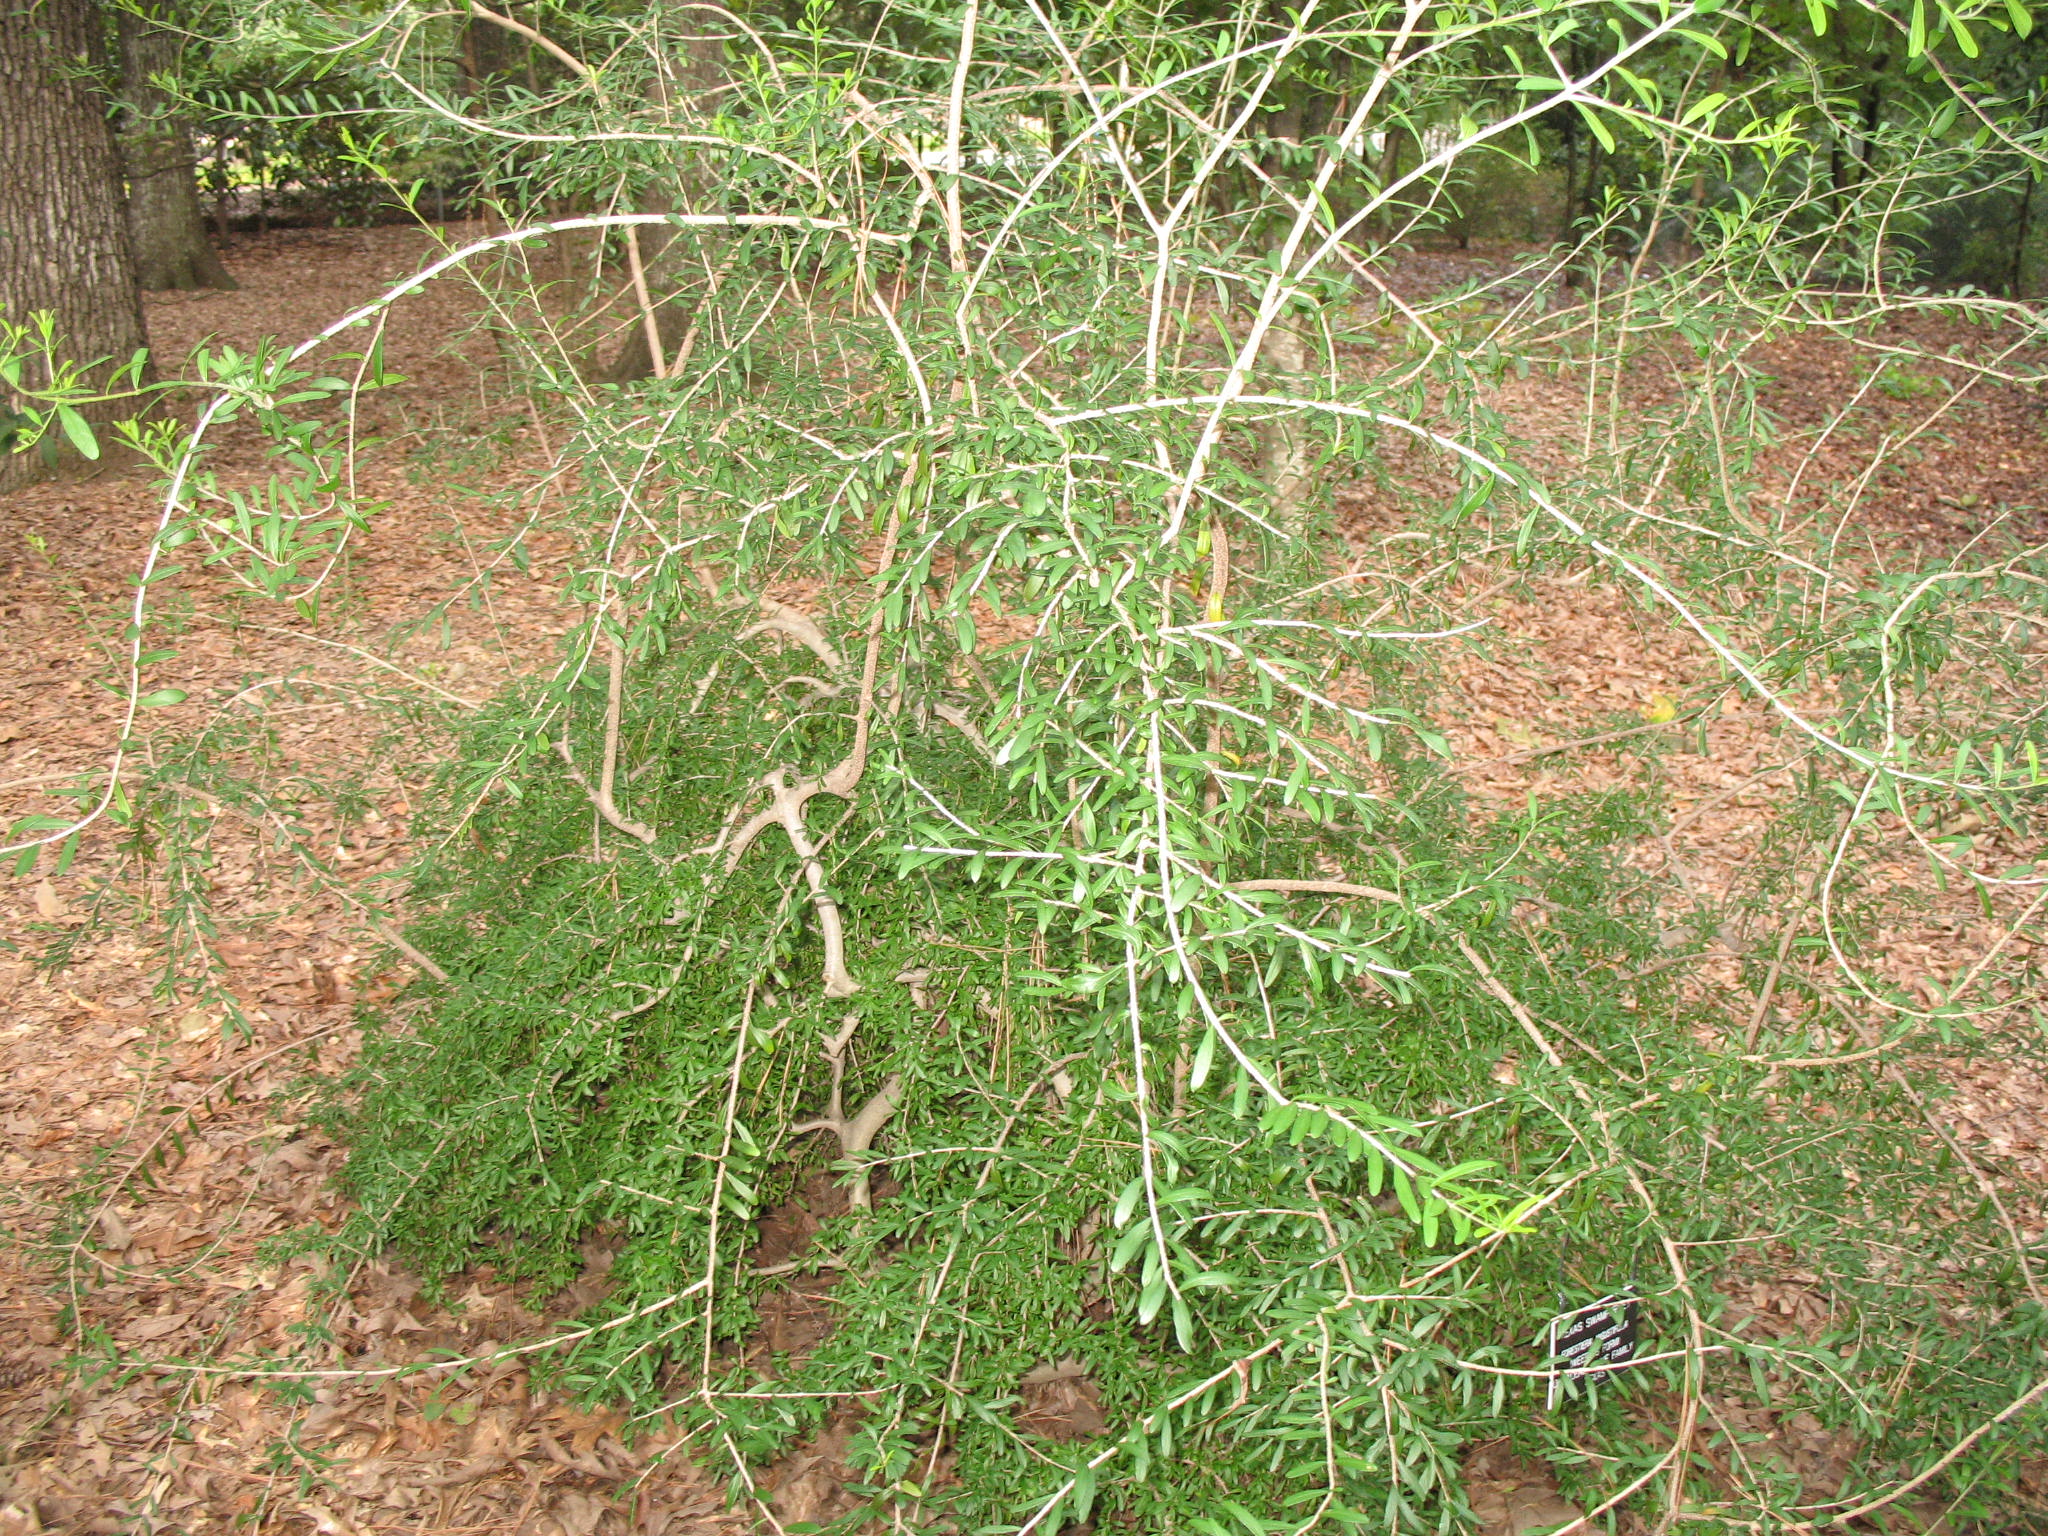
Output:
[[165, 223], [2015, 282], [1873, 118], [692, 72], [1570, 215], [1284, 459], [1390, 172], [63, 233]]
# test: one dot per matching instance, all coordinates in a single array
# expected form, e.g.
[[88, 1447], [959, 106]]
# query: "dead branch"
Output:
[[791, 1266], [601, 794], [846, 774], [1527, 1020], [786, 810], [650, 323], [798, 626], [781, 617], [1590, 741], [858, 1134], [575, 65], [1214, 610], [817, 689], [614, 706], [787, 801], [1326, 887], [660, 994], [396, 942]]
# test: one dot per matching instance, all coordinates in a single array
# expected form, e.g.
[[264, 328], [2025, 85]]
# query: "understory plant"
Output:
[[979, 775]]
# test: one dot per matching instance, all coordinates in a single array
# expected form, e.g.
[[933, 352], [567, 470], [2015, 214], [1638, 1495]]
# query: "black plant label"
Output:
[[1603, 1334]]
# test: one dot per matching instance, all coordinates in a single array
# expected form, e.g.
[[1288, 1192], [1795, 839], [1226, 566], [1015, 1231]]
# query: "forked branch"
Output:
[[786, 810], [787, 800], [963, 722], [856, 1135]]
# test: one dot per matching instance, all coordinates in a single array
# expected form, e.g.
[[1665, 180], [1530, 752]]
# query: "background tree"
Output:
[[64, 248], [165, 222], [687, 52]]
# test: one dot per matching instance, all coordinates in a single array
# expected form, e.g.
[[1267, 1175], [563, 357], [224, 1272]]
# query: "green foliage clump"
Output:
[[1269, 1201]]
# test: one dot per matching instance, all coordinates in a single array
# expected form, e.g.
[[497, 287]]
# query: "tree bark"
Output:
[[691, 72], [1284, 462], [1570, 216], [1389, 218], [165, 223], [2015, 281], [63, 233]]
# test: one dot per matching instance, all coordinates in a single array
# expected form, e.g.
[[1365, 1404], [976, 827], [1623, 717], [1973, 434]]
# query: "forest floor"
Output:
[[193, 1134]]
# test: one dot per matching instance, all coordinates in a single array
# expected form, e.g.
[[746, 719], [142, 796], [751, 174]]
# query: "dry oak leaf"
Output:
[[325, 1521], [155, 1327], [1505, 1509], [577, 1513], [1060, 1401]]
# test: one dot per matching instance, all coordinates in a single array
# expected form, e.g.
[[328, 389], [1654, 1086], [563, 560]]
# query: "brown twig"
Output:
[[650, 325], [574, 65], [1326, 887], [858, 1134], [787, 801], [846, 776], [798, 626], [786, 810], [614, 706], [1769, 988], [1718, 951], [396, 942], [1213, 611], [601, 794], [962, 722], [1527, 1020], [45, 778]]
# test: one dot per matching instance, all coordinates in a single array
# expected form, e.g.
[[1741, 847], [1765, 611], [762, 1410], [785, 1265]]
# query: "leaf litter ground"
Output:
[[181, 1262]]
